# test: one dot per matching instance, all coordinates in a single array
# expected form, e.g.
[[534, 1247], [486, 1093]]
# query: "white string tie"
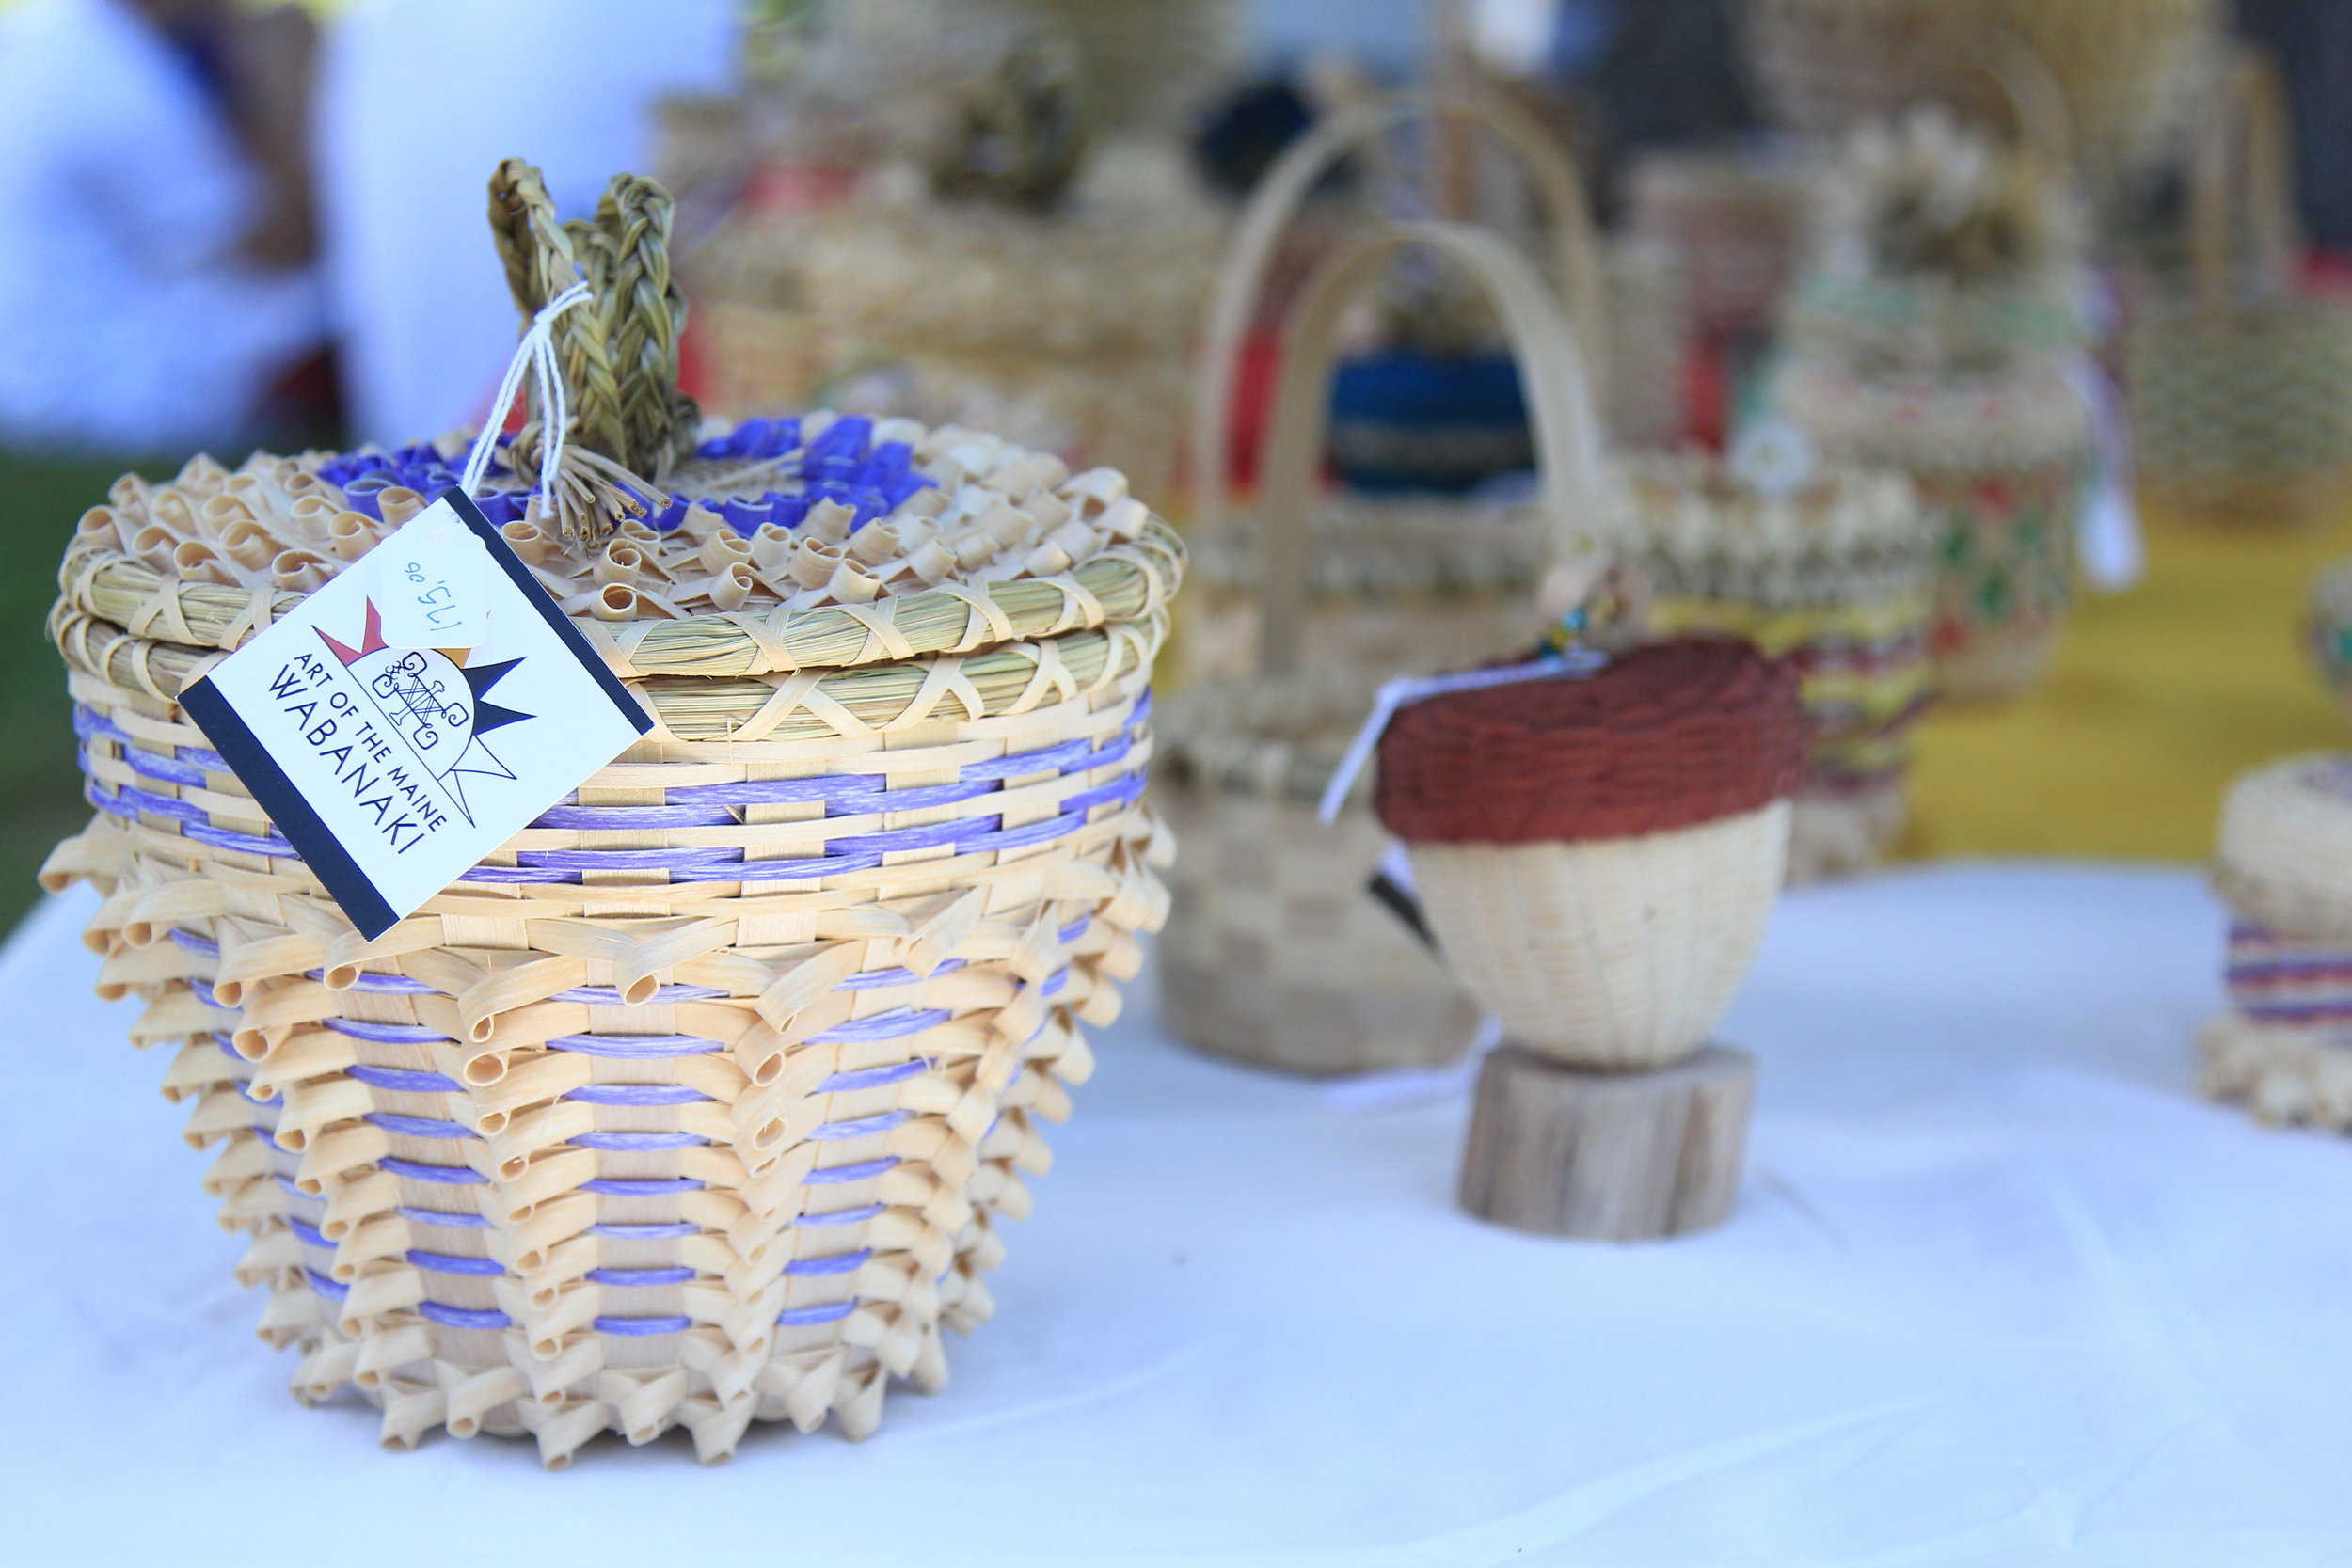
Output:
[[535, 355]]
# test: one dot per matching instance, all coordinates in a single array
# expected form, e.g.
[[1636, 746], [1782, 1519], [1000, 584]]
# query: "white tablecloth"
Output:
[[1998, 1290]]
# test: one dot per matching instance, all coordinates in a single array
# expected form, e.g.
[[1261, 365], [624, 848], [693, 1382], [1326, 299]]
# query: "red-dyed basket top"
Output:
[[1668, 735]]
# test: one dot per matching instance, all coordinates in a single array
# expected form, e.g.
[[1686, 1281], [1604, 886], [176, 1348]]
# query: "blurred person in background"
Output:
[[421, 101], [154, 165]]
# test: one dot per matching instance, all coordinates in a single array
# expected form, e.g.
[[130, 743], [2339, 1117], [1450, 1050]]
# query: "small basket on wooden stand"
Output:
[[1598, 858]]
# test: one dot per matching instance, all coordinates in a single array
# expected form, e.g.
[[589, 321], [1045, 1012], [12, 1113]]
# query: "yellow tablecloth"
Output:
[[2159, 698]]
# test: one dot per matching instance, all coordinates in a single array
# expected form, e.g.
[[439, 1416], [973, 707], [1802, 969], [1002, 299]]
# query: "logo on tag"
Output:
[[394, 769]]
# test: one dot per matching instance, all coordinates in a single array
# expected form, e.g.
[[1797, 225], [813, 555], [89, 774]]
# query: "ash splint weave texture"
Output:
[[1598, 858], [1837, 580], [2285, 847], [1274, 956], [699, 1101], [1669, 736]]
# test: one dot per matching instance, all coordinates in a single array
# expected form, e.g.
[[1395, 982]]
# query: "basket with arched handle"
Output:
[[1415, 578], [1274, 953], [2241, 380], [2132, 71]]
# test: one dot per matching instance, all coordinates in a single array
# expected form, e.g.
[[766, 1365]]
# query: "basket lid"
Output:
[[1669, 736]]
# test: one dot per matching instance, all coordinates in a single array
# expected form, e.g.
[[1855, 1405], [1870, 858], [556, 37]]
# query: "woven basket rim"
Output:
[[1124, 583], [990, 683]]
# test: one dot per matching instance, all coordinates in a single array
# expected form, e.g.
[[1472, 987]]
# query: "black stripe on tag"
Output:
[[535, 594], [320, 849]]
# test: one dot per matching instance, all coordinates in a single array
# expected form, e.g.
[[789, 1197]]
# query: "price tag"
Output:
[[431, 578], [393, 768]]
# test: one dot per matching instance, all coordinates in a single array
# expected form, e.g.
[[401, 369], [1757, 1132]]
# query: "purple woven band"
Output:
[[848, 796]]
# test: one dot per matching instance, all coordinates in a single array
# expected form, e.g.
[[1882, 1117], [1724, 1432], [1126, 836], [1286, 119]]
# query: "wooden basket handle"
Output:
[[2243, 179], [1559, 409], [2043, 125], [1284, 190]]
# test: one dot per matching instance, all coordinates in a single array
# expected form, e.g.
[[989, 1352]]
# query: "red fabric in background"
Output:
[[1669, 736]]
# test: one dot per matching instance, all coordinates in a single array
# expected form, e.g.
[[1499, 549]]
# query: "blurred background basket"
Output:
[[2241, 379], [1401, 579], [1274, 953], [2281, 863], [2133, 72], [1939, 332], [1838, 579]]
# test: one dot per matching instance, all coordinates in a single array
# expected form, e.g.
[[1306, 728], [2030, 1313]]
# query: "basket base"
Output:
[[1564, 1151], [1318, 1032], [2283, 1075], [1996, 666], [1840, 833]]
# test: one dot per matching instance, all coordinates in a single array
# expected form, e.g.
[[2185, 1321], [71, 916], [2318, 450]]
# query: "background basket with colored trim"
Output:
[[1838, 580], [700, 1101], [1935, 334], [2002, 466], [1400, 582], [2240, 380], [2282, 864], [1274, 953], [2132, 71]]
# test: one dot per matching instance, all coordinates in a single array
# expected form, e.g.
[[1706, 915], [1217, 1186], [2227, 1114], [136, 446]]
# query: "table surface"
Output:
[[1998, 1290]]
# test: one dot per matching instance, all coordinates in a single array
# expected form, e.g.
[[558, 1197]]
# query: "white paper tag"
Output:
[[1775, 457], [392, 769], [432, 582]]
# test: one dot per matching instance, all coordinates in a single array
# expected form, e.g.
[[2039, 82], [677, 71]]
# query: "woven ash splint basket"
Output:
[[2241, 382], [1401, 582], [1838, 579], [700, 1101], [1274, 954], [1936, 334], [2284, 866], [1598, 857], [2328, 631], [2132, 71]]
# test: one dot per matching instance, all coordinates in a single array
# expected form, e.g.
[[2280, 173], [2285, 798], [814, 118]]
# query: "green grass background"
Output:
[[41, 788]]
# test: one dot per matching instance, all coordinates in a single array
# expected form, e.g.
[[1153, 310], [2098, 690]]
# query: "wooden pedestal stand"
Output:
[[1608, 1156]]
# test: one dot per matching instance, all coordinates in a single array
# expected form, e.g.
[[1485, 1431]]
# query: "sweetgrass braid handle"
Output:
[[1559, 409], [620, 354], [1284, 190], [2255, 197]]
